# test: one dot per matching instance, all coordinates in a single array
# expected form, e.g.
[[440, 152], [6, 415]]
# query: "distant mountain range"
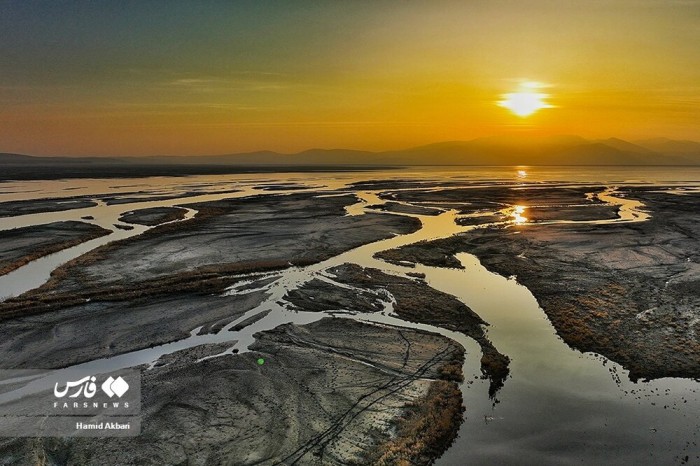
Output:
[[496, 150]]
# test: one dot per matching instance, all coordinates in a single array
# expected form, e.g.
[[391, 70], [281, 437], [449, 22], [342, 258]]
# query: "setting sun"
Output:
[[350, 232], [526, 101]]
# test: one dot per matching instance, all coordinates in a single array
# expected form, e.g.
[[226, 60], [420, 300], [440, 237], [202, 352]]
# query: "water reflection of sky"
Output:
[[15, 190], [517, 214], [558, 406]]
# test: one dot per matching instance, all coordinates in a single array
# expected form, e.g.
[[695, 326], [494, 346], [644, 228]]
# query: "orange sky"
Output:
[[213, 78]]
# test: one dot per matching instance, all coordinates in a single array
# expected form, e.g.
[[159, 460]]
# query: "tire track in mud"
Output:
[[395, 385]]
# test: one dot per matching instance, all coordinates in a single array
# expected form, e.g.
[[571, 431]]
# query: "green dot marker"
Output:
[[261, 361]]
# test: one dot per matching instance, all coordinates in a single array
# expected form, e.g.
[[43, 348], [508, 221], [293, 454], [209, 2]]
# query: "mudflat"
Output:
[[109, 326], [15, 208], [153, 216], [327, 393], [252, 233], [20, 246], [330, 392], [628, 291], [349, 375]]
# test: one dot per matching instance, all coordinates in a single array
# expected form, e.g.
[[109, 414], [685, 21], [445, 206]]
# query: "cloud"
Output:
[[241, 82]]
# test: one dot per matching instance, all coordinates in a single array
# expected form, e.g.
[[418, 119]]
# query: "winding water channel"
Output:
[[557, 407]]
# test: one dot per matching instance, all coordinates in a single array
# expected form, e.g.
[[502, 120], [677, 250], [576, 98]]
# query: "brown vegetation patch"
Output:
[[437, 255], [417, 302], [427, 428], [205, 280]]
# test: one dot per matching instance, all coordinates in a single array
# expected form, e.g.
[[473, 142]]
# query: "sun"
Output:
[[526, 101]]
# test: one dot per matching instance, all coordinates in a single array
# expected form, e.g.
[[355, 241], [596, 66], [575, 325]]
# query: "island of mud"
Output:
[[265, 336], [333, 391], [23, 245], [629, 291]]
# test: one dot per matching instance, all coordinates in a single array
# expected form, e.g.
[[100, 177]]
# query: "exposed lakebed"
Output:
[[540, 403]]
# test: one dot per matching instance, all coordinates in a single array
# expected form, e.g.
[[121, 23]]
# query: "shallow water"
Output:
[[558, 406]]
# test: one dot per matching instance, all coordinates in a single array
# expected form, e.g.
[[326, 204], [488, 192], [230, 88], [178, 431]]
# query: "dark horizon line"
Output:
[[270, 151]]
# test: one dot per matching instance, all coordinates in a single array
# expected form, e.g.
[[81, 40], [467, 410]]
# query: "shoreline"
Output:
[[341, 284]]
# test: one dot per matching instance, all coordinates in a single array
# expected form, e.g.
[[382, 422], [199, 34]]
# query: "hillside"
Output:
[[512, 150]]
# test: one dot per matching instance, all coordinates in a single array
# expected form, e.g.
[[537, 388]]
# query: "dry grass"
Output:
[[209, 279], [427, 428], [452, 371]]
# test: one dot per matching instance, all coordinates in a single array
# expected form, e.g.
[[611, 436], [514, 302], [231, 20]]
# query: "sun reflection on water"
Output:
[[517, 214]]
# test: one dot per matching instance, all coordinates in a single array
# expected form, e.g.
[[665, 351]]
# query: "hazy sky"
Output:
[[168, 77]]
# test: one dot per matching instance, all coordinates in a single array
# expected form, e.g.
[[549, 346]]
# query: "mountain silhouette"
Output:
[[492, 150]]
